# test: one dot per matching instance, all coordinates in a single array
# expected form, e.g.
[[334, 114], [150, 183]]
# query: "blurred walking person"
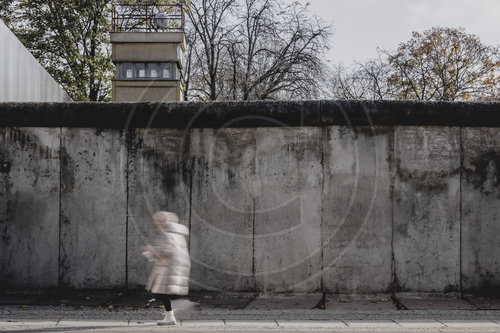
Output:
[[172, 265]]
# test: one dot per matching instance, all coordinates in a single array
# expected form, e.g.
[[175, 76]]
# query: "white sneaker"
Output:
[[168, 320]]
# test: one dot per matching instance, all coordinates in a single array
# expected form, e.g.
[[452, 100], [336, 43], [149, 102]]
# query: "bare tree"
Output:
[[365, 81], [263, 51], [210, 22]]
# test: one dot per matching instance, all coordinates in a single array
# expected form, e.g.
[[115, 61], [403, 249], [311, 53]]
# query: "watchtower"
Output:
[[147, 49]]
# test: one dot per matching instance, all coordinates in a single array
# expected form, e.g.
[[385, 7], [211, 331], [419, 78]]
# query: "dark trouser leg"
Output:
[[165, 300]]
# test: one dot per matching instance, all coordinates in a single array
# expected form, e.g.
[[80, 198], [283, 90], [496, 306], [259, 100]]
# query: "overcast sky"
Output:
[[360, 26]]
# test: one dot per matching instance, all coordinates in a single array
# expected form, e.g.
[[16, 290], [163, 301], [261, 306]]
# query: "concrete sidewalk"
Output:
[[247, 312]]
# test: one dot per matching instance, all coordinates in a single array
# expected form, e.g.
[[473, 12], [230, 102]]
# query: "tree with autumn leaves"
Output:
[[440, 64], [70, 38], [444, 64]]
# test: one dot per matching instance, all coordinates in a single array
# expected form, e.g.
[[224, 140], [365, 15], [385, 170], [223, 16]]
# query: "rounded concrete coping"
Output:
[[249, 114]]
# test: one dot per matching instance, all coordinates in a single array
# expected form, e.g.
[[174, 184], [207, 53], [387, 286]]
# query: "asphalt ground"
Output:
[[104, 311]]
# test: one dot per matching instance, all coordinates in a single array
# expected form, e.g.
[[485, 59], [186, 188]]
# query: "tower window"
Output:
[[166, 70], [153, 70], [126, 70], [140, 70], [145, 71]]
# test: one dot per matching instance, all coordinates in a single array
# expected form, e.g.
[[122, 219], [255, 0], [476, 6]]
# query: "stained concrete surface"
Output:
[[93, 208], [216, 300], [435, 303], [369, 302], [29, 207], [287, 249], [484, 303], [158, 179], [481, 210], [284, 301], [375, 193], [426, 209], [222, 209], [356, 213]]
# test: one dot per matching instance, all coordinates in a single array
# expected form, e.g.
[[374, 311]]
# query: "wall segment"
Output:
[[279, 197]]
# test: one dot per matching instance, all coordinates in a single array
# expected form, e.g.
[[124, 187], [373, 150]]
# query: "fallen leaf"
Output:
[[344, 300], [24, 307], [140, 322]]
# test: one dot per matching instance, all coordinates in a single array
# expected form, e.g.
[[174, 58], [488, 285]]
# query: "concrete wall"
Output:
[[279, 197], [22, 78], [142, 52], [143, 91]]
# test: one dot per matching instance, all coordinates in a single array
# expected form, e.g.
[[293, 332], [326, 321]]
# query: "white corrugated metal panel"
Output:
[[22, 78]]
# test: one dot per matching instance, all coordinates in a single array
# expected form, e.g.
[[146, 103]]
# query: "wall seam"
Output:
[[460, 210], [191, 176], [253, 217], [322, 228], [392, 168], [127, 189], [59, 270]]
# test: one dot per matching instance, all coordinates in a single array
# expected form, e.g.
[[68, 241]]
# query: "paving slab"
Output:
[[142, 323], [436, 303], [484, 303], [223, 300], [251, 323], [134, 299], [203, 323], [367, 324], [379, 303], [419, 323], [285, 302], [471, 324], [5, 324], [311, 324], [92, 323]]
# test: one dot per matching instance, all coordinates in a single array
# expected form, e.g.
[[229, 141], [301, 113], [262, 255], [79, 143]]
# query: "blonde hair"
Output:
[[165, 217]]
